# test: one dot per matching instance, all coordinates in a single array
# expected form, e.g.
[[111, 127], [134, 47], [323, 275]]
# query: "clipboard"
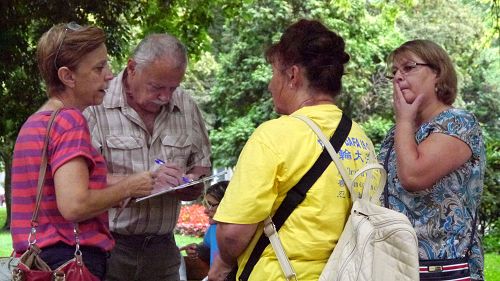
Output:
[[169, 189]]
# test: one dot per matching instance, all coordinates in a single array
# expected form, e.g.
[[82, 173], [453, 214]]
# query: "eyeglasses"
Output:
[[74, 27], [405, 69], [209, 205]]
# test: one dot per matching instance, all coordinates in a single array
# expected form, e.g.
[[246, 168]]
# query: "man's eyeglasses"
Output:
[[405, 69], [210, 206], [74, 27]]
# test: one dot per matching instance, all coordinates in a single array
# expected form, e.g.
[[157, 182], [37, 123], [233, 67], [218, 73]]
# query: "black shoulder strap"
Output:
[[386, 167], [471, 243], [297, 194]]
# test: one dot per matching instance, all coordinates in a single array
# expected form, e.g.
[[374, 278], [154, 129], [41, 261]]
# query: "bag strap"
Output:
[[43, 168], [345, 176], [469, 251], [297, 194], [279, 250], [41, 179], [386, 167], [39, 189]]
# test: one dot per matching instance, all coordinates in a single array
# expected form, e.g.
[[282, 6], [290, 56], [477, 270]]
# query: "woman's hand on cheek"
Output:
[[403, 110]]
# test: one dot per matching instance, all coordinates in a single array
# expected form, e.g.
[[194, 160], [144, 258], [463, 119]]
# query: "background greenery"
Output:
[[228, 75]]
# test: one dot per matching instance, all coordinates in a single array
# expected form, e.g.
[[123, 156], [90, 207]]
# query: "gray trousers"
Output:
[[144, 258]]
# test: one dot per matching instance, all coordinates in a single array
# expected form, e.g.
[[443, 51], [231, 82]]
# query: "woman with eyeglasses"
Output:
[[206, 251], [73, 62], [435, 158]]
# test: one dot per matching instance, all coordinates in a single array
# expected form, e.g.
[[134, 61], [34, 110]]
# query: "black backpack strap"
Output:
[[297, 194]]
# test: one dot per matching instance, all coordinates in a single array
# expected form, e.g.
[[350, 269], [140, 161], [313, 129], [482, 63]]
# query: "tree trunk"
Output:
[[8, 165], [6, 158]]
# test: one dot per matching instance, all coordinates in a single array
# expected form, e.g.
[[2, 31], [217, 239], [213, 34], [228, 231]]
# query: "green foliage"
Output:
[[199, 80], [6, 242], [376, 128], [5, 238], [491, 242], [480, 95], [188, 20], [240, 98], [490, 206], [233, 137], [183, 240], [492, 267], [366, 90]]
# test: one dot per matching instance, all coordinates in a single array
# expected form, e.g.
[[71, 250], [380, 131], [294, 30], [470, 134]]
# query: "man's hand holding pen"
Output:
[[170, 175], [167, 175]]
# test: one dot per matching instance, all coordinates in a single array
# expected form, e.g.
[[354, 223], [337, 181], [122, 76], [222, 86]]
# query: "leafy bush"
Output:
[[376, 128], [489, 215], [491, 241], [192, 221]]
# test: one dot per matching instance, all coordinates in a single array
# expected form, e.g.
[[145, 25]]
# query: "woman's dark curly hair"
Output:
[[311, 45]]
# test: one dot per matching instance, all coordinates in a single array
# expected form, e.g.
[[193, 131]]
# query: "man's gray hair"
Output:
[[155, 46]]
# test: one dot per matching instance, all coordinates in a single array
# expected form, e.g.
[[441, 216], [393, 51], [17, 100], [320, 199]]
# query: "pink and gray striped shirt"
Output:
[[69, 138]]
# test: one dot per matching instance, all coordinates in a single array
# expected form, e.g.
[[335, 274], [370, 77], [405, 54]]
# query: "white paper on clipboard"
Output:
[[191, 183]]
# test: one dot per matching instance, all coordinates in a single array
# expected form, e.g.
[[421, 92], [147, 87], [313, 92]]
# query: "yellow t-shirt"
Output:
[[273, 160]]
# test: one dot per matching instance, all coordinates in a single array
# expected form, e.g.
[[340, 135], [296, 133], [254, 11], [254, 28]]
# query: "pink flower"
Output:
[[192, 220]]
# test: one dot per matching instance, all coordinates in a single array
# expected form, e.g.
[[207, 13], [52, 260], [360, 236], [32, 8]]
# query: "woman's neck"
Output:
[[316, 100], [430, 112], [53, 103]]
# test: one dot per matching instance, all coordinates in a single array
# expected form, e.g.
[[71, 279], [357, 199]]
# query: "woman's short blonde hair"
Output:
[[65, 45], [437, 58]]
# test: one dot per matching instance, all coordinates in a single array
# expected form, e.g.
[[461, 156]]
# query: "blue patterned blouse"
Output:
[[443, 215]]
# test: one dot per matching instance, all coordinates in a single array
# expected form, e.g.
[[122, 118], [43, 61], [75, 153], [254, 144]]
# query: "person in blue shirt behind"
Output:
[[207, 250]]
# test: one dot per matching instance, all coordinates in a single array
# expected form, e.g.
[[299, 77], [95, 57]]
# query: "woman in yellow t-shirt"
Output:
[[308, 65]]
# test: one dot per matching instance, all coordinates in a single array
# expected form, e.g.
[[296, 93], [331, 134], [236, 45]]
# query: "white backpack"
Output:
[[377, 243]]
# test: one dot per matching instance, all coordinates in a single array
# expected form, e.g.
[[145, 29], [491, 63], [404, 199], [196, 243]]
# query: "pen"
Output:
[[161, 162]]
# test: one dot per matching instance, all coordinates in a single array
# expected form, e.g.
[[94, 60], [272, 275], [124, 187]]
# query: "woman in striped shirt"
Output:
[[72, 60]]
